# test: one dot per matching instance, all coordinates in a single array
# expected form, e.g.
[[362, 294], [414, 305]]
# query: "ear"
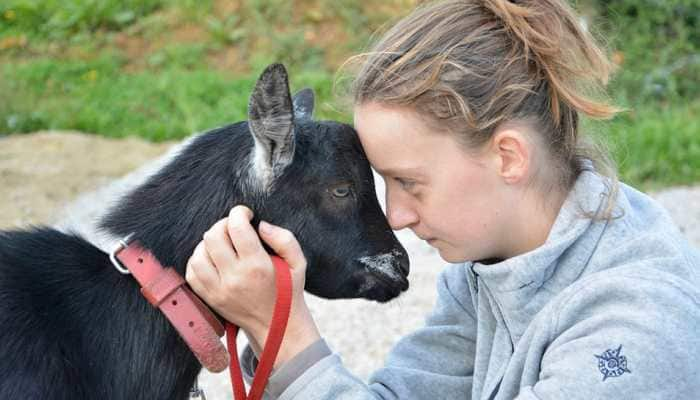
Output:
[[271, 122], [303, 102], [512, 151]]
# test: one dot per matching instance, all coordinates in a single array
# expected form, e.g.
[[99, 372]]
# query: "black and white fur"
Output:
[[72, 327]]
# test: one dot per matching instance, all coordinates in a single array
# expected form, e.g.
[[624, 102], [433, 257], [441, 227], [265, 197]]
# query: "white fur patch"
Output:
[[382, 263], [260, 173]]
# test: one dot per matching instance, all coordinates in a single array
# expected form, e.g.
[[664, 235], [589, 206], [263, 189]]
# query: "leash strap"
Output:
[[165, 289], [280, 317]]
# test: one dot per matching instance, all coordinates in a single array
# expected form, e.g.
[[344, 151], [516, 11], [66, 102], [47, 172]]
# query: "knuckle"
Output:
[[215, 231], [257, 274], [199, 254], [286, 236], [198, 250], [231, 285], [211, 236], [189, 274], [248, 241], [236, 225], [238, 237], [191, 262], [194, 266]]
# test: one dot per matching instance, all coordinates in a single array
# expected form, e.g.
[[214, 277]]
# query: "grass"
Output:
[[95, 96], [162, 69], [655, 146]]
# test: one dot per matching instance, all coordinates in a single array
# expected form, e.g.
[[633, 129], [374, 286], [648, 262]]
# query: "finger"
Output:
[[283, 243], [200, 273], [219, 247], [242, 234], [191, 273]]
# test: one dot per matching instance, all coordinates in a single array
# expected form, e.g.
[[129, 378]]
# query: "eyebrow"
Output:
[[400, 171]]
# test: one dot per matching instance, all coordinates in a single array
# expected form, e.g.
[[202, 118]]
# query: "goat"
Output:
[[72, 327]]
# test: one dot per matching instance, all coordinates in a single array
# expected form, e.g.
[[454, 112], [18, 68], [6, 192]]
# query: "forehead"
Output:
[[330, 149], [396, 138]]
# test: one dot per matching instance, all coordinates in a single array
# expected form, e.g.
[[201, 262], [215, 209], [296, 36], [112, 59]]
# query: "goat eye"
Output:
[[341, 191]]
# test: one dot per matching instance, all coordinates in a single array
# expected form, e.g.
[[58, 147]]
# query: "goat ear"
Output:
[[271, 122], [303, 102]]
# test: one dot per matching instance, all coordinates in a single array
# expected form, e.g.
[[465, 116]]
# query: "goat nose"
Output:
[[404, 264]]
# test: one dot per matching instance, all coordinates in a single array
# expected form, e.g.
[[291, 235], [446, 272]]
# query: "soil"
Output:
[[43, 171]]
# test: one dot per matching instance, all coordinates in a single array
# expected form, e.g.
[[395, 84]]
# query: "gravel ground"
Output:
[[41, 172], [362, 332]]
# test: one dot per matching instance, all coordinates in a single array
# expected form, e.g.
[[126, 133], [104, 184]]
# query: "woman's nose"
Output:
[[399, 214]]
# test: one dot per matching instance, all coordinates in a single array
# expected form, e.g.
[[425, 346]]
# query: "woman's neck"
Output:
[[532, 222]]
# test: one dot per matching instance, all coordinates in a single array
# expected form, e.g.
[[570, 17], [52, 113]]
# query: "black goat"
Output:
[[72, 327]]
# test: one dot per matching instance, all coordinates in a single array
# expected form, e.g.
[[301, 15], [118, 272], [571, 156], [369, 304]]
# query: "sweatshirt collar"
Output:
[[573, 231], [521, 286]]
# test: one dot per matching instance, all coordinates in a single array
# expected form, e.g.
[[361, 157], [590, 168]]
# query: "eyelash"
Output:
[[405, 184]]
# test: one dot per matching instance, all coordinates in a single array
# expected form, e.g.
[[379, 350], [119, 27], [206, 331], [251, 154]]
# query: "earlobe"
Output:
[[513, 153]]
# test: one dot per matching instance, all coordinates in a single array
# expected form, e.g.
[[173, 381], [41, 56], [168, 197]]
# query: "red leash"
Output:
[[199, 328], [280, 316]]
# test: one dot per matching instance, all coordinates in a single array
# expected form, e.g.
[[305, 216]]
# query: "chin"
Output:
[[454, 260], [451, 256]]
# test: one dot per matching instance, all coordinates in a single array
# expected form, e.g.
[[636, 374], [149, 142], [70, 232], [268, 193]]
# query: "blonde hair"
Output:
[[468, 66]]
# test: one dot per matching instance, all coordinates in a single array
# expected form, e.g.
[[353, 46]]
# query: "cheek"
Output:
[[465, 215], [461, 224], [465, 233]]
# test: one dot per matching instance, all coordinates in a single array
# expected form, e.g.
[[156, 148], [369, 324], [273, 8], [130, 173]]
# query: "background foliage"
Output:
[[162, 69]]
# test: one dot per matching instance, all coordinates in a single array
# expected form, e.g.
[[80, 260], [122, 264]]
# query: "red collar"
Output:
[[165, 289]]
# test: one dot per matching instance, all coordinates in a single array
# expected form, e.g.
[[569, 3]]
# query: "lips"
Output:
[[429, 240], [425, 238]]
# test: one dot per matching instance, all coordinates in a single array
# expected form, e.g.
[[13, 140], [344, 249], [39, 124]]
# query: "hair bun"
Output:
[[550, 34]]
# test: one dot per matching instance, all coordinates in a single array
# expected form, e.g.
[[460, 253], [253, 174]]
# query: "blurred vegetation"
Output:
[[162, 69], [656, 44]]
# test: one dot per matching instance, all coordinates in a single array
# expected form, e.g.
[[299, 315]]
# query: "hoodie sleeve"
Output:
[[629, 337], [436, 361]]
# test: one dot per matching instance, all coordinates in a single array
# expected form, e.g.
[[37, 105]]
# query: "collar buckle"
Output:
[[123, 243]]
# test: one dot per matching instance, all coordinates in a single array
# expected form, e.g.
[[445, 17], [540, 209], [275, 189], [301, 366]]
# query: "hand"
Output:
[[231, 272]]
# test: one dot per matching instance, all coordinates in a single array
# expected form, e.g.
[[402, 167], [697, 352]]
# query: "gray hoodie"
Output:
[[602, 310]]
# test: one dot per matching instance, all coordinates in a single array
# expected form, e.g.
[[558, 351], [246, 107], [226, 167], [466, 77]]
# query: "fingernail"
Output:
[[245, 210], [265, 228]]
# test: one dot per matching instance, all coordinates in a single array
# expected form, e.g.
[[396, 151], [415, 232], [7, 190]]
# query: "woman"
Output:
[[564, 283]]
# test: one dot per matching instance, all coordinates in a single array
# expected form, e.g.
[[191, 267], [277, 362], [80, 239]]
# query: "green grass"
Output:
[[163, 69], [95, 96], [656, 146], [58, 19]]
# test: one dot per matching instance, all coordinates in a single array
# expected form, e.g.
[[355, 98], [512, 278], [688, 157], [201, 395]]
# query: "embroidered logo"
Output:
[[612, 363]]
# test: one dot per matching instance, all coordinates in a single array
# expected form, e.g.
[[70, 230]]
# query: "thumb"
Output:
[[284, 244]]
